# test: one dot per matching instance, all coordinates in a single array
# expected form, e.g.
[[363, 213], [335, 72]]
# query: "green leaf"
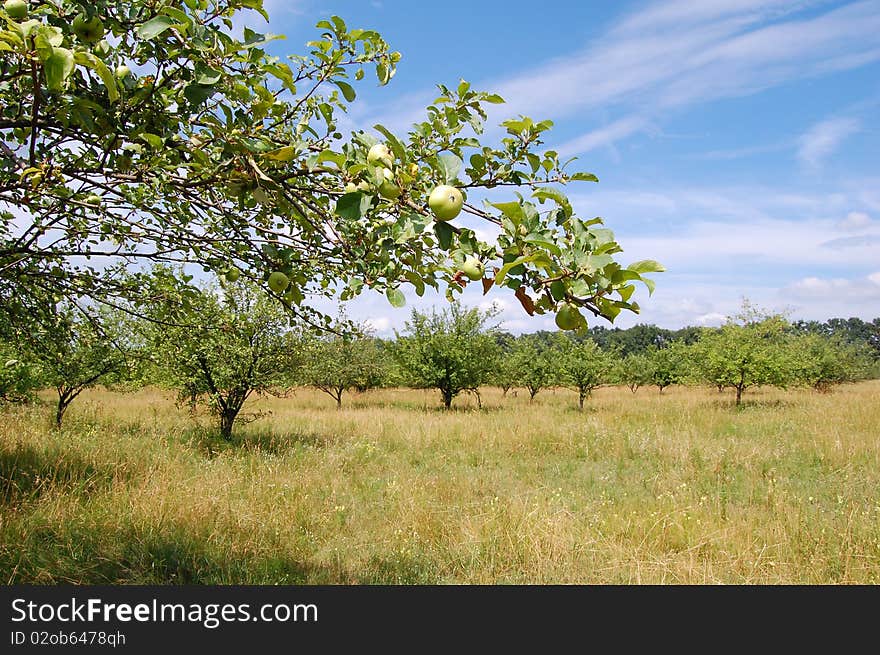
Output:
[[647, 266], [584, 177], [196, 94], [155, 141], [650, 284], [107, 77], [58, 68], [557, 196], [393, 142], [154, 27], [416, 281], [207, 76], [350, 206], [450, 165], [501, 274], [395, 297], [513, 211], [347, 91], [444, 234], [286, 153]]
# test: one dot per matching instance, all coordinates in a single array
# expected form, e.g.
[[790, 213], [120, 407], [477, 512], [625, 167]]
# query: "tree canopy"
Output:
[[147, 132]]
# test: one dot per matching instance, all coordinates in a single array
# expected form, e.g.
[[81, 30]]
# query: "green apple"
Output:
[[473, 268], [351, 187], [379, 154], [445, 201], [232, 274], [122, 72], [17, 9], [568, 317], [88, 31], [278, 282], [388, 189], [93, 200]]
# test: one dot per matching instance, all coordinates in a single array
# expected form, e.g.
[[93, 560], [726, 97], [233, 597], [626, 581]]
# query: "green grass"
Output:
[[678, 488]]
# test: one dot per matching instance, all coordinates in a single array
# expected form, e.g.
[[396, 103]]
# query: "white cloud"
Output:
[[672, 54], [836, 289], [603, 136], [855, 221], [823, 138], [711, 319]]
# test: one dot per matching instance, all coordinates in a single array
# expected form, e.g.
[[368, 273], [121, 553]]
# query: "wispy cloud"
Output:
[[674, 54], [604, 136], [823, 138]]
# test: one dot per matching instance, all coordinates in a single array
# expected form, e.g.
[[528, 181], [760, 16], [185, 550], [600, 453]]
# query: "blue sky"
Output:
[[736, 141]]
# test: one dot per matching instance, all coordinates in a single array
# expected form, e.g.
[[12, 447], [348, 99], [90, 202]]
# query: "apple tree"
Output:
[[451, 351], [822, 362], [74, 348], [536, 362], [585, 367], [667, 364], [148, 132], [750, 349], [224, 345], [335, 364], [635, 370]]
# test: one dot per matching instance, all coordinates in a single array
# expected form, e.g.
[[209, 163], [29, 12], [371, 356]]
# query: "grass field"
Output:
[[678, 488]]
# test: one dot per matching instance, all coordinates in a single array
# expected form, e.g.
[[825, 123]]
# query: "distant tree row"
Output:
[[231, 341]]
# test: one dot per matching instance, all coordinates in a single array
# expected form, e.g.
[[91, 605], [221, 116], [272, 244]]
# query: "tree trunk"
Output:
[[581, 397], [63, 404], [447, 398], [227, 419], [739, 393]]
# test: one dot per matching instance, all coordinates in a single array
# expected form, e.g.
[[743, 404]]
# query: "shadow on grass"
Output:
[[754, 404], [210, 443], [26, 474], [85, 554]]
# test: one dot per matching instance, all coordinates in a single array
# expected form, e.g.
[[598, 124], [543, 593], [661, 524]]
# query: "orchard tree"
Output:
[[667, 365], [19, 379], [750, 349], [822, 362], [74, 348], [336, 364], [536, 363], [144, 132], [452, 351], [224, 345], [584, 366], [635, 370]]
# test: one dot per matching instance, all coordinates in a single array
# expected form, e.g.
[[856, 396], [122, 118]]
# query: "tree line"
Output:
[[231, 340]]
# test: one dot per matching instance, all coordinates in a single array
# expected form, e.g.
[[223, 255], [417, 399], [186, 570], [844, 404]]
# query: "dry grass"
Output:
[[681, 488]]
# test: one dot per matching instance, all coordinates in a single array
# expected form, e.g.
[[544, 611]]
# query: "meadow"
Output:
[[647, 488]]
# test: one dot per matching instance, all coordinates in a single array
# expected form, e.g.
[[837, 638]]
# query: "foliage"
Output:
[[172, 140], [74, 348], [536, 363], [19, 379], [667, 365], [340, 363], [748, 350], [229, 343], [452, 351], [635, 370], [584, 366], [822, 362]]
